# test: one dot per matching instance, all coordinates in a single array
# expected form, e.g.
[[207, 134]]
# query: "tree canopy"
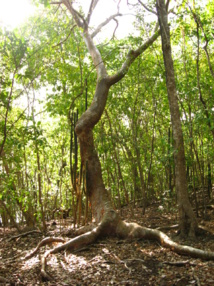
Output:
[[52, 70]]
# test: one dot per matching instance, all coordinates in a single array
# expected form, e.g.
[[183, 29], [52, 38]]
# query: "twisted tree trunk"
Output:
[[108, 222]]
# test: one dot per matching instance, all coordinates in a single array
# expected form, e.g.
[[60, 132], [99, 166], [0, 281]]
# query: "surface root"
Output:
[[45, 241], [121, 229]]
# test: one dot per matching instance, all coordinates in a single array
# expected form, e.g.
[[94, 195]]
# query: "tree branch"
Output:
[[147, 8], [91, 9], [56, 3], [77, 16], [63, 41], [104, 24], [117, 24], [95, 54], [132, 55], [7, 112], [150, 10]]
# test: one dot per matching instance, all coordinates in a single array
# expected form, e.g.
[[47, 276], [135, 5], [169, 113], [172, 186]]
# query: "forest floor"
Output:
[[110, 261]]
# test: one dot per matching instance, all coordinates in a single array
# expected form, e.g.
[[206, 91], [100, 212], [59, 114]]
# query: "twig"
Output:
[[104, 23], [147, 8], [180, 263], [115, 28]]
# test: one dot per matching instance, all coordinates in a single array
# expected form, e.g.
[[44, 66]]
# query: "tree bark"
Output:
[[187, 219], [98, 196], [108, 221]]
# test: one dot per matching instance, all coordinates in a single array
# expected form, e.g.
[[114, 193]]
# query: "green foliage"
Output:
[[43, 71]]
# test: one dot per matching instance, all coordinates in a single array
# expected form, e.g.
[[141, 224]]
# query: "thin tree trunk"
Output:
[[117, 161], [40, 188], [7, 211], [187, 219]]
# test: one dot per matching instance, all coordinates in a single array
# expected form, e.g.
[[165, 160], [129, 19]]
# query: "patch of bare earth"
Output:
[[110, 261]]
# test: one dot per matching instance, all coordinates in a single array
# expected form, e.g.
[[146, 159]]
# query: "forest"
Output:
[[107, 144]]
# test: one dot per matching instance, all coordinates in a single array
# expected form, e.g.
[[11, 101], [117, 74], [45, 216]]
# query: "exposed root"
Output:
[[176, 226], [73, 244], [133, 230], [45, 241], [111, 225], [85, 229]]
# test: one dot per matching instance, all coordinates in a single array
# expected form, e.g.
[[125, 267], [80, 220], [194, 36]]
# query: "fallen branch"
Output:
[[24, 234], [180, 263]]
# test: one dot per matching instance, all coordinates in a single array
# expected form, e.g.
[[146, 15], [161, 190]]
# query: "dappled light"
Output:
[[31, 263], [106, 143], [109, 261]]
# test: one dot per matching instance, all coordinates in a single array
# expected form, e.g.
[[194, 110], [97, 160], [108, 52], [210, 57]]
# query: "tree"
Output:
[[106, 218], [187, 219], [98, 196]]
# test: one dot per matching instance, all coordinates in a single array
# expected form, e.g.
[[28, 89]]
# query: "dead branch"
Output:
[[167, 227], [180, 263], [117, 24]]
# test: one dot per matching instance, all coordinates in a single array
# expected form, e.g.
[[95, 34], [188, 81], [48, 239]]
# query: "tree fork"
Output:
[[108, 221]]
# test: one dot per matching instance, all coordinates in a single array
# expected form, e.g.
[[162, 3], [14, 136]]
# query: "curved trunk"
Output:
[[98, 196], [109, 221]]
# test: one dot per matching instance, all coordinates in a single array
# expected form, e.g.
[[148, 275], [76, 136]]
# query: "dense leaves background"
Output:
[[46, 76]]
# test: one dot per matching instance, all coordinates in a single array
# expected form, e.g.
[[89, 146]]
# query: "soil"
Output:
[[109, 261]]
